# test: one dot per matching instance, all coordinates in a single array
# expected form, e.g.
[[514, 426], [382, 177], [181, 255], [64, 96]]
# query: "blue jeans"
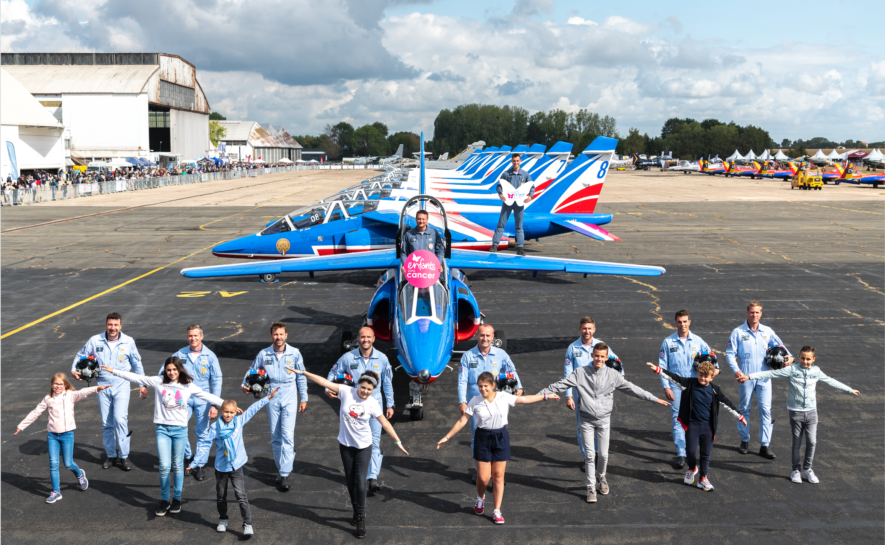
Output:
[[63, 442], [502, 223], [171, 441]]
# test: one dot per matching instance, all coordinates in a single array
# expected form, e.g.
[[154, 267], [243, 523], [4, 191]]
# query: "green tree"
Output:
[[411, 143], [672, 124], [688, 141], [368, 141], [708, 124], [216, 132], [342, 135], [215, 116], [381, 128], [634, 143]]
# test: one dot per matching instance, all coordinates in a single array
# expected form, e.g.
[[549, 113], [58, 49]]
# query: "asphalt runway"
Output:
[[817, 267]]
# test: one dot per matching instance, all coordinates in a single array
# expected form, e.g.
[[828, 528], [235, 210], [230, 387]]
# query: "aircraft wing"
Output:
[[381, 259], [469, 259], [592, 231], [389, 217]]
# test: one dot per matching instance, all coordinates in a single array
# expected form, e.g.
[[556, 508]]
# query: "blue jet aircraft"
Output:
[[422, 324]]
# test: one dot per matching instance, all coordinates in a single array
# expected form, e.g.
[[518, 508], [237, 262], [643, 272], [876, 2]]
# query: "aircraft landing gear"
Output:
[[415, 405], [500, 340], [267, 277]]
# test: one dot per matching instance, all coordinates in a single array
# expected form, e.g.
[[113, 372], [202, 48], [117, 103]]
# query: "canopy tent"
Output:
[[780, 156], [285, 160], [259, 161], [765, 156], [819, 155], [835, 156], [140, 162], [736, 156], [875, 155], [750, 156], [313, 162], [300, 161]]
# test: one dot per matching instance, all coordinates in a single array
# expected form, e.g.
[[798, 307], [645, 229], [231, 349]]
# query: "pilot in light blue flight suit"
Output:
[[580, 354], [749, 342], [677, 355], [476, 361], [423, 237], [202, 365], [355, 363], [279, 362], [115, 349]]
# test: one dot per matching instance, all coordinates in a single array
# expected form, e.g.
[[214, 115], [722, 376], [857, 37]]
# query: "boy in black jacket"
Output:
[[699, 416]]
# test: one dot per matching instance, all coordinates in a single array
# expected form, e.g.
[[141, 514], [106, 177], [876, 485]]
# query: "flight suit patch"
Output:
[[674, 349], [745, 338], [203, 371], [100, 349], [122, 359], [473, 365], [354, 366]]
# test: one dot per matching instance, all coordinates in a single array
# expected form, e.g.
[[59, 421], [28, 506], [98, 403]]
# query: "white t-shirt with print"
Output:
[[355, 415], [491, 416]]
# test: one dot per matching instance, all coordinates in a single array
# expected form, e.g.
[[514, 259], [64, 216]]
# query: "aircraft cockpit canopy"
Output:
[[420, 303], [318, 214]]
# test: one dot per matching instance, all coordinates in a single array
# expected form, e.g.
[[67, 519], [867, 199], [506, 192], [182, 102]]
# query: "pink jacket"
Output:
[[61, 410]]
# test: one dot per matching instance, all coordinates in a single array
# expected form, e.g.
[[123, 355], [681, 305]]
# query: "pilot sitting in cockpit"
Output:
[[423, 237]]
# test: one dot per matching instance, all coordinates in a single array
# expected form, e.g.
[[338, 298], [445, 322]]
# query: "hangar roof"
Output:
[[67, 79], [257, 135]]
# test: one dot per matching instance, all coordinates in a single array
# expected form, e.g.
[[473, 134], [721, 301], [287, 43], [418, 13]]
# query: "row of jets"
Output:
[[362, 228]]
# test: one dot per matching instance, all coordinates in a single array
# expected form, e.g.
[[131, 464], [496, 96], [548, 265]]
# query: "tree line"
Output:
[[343, 140]]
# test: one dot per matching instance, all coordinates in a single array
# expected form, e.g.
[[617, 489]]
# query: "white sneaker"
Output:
[[704, 484], [222, 526], [796, 477], [809, 474], [247, 530], [690, 475]]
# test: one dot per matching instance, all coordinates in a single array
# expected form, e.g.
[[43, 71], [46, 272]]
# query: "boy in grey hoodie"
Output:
[[596, 385], [802, 404]]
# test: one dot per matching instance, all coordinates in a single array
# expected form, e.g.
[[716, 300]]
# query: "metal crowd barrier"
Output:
[[45, 193]]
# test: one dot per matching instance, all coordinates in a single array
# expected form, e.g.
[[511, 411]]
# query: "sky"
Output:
[[796, 69]]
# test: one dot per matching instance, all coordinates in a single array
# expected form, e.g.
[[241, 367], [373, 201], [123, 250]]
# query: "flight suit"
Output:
[[355, 365], [750, 347], [283, 408], [429, 239], [113, 403]]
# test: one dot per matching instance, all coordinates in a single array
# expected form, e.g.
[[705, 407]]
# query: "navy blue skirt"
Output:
[[491, 445]]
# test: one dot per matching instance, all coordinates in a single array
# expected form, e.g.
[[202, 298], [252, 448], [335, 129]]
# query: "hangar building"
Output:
[[119, 104], [245, 140], [30, 138]]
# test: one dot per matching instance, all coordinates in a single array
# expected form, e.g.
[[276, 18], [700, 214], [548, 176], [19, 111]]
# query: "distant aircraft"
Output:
[[686, 167], [420, 306], [655, 162], [850, 176], [373, 160]]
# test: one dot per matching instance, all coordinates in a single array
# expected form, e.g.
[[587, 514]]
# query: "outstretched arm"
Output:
[[525, 400], [141, 380], [455, 429], [316, 378], [388, 427]]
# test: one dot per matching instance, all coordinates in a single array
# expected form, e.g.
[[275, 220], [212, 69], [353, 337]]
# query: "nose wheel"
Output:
[[415, 405], [267, 277]]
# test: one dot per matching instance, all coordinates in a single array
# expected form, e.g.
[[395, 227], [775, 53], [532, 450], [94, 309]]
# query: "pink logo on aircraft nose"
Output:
[[422, 269]]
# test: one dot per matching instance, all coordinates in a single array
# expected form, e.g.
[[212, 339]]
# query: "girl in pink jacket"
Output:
[[60, 431]]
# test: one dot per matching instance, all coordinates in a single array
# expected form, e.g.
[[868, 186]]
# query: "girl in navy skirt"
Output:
[[491, 448]]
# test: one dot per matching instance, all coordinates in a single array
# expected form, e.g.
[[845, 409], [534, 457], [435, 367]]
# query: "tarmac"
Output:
[[814, 259]]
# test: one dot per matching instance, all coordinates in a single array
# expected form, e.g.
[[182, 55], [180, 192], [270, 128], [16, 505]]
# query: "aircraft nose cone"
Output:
[[230, 247], [424, 376]]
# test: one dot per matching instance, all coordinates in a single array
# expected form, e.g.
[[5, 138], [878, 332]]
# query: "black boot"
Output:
[[361, 526], [680, 462], [765, 452], [744, 448]]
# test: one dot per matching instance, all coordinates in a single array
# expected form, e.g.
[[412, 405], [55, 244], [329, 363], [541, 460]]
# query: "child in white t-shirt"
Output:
[[491, 445], [355, 436]]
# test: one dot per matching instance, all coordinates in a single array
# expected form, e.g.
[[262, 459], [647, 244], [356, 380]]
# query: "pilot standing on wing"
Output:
[[476, 361], [354, 364], [423, 237], [282, 364], [516, 177]]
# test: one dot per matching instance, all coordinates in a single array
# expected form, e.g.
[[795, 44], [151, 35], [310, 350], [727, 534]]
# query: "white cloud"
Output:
[[303, 64]]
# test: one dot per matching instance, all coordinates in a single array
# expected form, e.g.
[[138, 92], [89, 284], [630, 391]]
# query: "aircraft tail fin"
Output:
[[399, 152], [577, 188]]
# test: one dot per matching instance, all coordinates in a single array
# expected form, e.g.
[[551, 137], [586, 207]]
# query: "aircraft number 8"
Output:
[[602, 170]]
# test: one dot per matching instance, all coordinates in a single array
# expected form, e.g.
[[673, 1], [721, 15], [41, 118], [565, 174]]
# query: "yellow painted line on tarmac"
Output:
[[96, 296], [837, 208]]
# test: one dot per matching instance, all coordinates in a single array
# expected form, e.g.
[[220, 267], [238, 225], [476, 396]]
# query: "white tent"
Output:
[[875, 156], [835, 156], [259, 161], [736, 156], [819, 155], [750, 156], [313, 162], [765, 156], [780, 156], [285, 160], [300, 161]]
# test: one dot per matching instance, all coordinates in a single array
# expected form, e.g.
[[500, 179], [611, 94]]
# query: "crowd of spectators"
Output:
[[25, 188]]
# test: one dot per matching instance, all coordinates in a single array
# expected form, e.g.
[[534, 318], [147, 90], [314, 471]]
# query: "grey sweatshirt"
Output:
[[596, 389]]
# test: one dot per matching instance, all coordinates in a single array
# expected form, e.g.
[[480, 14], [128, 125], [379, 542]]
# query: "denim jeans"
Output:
[[63, 442], [517, 212], [171, 441], [803, 424]]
